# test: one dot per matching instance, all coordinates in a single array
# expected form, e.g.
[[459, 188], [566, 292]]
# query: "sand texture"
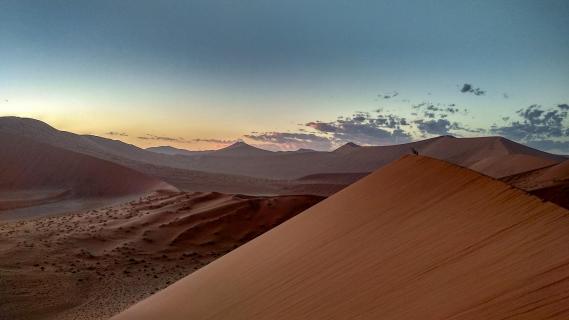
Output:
[[93, 264]]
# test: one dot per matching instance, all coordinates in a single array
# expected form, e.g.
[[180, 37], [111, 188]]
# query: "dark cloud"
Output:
[[363, 128], [388, 95], [439, 110], [291, 140], [468, 88], [323, 126], [538, 126], [452, 109], [537, 123], [116, 134], [435, 127]]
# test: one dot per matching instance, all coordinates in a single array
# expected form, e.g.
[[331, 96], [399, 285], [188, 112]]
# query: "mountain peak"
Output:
[[347, 147], [241, 148], [238, 144]]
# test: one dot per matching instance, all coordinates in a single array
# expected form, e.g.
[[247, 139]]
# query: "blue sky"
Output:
[[203, 73]]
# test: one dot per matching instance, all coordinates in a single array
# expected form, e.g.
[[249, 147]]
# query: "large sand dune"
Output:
[[34, 173], [418, 239]]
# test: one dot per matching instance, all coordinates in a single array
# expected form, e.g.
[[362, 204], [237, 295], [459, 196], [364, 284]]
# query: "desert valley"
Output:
[[90, 226], [284, 160]]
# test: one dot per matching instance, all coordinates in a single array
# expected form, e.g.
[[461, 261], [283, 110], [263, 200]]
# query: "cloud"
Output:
[[291, 140], [163, 138], [210, 140], [322, 126], [439, 110], [388, 95], [546, 128], [117, 134], [468, 88], [537, 123], [364, 128], [439, 127], [183, 140]]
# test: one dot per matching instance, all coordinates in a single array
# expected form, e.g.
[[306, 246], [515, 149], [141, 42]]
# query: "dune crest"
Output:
[[418, 239]]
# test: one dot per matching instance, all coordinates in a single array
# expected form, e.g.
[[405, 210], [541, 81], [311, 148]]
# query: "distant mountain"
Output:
[[241, 149], [489, 155], [347, 148], [175, 151], [493, 156], [108, 149]]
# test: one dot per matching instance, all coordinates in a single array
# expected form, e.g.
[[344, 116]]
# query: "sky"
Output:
[[289, 74]]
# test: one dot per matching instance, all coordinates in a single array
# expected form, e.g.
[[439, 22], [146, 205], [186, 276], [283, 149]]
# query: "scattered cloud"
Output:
[[388, 95], [439, 127], [322, 126], [183, 140], [116, 134], [537, 123], [536, 126], [163, 138], [468, 88], [365, 128], [438, 110], [546, 129], [219, 141], [291, 141]]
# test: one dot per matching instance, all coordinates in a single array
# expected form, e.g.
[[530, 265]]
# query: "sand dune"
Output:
[[35, 173], [492, 156], [550, 183], [418, 239], [91, 265], [509, 164], [489, 155]]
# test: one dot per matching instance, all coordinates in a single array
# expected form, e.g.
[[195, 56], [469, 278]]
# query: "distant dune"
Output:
[[34, 173], [93, 264], [174, 151], [492, 156], [418, 239], [509, 164]]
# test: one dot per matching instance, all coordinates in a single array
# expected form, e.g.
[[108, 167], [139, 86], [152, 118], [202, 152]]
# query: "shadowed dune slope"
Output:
[[417, 239], [550, 183], [26, 164]]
